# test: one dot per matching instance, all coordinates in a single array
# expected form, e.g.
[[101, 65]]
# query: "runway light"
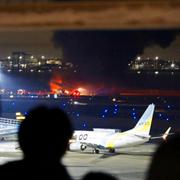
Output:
[[11, 96], [103, 116], [114, 99], [84, 125], [105, 110], [115, 105], [78, 115], [160, 115]]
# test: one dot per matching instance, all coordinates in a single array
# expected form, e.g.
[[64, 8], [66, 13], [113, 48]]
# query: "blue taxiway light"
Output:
[[160, 115], [105, 110]]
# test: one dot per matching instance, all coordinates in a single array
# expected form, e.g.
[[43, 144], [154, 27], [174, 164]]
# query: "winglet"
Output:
[[143, 126], [164, 136]]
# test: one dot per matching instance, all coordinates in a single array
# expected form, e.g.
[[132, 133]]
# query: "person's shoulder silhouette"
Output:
[[166, 161], [43, 137], [98, 175]]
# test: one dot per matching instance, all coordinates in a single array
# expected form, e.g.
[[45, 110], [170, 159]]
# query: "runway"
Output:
[[130, 164]]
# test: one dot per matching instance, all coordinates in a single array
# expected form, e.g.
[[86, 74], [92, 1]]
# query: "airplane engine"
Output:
[[83, 147], [75, 146]]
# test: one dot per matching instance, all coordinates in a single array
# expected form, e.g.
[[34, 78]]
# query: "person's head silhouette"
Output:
[[44, 134], [166, 161]]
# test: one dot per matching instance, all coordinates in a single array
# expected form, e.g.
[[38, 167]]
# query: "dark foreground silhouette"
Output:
[[99, 176], [165, 164], [43, 137]]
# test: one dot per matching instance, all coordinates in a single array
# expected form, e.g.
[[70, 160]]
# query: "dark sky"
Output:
[[104, 55]]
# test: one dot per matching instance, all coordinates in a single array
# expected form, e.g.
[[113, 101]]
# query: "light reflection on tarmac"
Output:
[[130, 164]]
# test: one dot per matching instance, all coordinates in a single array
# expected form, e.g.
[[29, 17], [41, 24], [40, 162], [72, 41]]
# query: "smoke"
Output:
[[104, 55]]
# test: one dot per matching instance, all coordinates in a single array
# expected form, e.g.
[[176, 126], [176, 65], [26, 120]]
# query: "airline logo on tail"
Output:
[[144, 124]]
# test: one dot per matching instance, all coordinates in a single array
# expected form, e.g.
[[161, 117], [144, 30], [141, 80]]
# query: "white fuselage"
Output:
[[106, 140]]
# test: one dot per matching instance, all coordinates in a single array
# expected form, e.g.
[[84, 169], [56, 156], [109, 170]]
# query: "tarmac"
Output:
[[130, 164]]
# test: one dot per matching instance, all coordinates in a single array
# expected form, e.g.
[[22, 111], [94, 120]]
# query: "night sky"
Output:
[[101, 56], [104, 55]]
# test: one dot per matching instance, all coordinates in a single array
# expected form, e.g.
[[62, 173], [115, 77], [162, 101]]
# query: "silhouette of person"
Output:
[[43, 137], [98, 175], [165, 164]]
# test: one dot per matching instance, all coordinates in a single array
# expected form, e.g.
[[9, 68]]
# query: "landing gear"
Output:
[[95, 151], [83, 147], [112, 150]]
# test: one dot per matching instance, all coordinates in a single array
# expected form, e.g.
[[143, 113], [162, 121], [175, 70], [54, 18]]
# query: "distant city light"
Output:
[[42, 57], [114, 99], [172, 65], [138, 58], [156, 58], [156, 72]]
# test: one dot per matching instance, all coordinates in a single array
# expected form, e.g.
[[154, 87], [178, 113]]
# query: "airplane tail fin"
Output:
[[144, 124]]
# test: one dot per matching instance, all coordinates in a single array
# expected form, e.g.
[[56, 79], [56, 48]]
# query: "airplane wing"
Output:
[[163, 136]]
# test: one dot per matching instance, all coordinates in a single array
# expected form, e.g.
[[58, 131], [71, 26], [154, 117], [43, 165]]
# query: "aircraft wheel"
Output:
[[95, 151], [112, 150]]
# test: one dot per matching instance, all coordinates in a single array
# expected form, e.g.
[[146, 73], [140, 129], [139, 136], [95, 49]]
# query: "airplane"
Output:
[[9, 127], [111, 140]]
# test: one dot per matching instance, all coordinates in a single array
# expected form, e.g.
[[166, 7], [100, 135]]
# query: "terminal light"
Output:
[[172, 65], [138, 58]]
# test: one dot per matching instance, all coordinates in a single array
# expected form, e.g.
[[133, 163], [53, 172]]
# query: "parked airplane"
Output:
[[102, 139], [9, 127]]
